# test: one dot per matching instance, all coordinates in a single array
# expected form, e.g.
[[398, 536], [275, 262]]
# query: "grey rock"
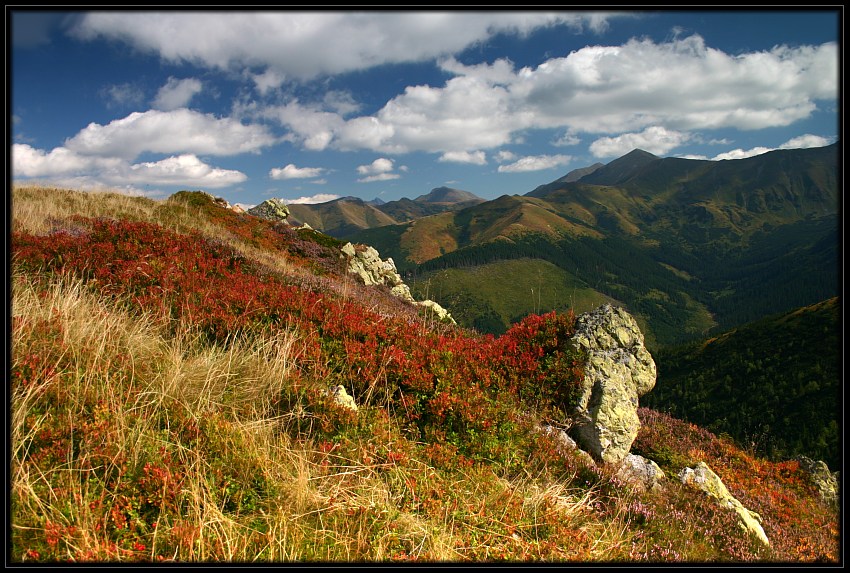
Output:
[[618, 371], [272, 209], [704, 479]]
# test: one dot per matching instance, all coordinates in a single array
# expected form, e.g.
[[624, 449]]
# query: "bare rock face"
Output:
[[271, 209], [619, 370], [703, 478]]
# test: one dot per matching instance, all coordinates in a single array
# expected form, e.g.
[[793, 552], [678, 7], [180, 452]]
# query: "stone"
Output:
[[434, 307], [825, 481], [618, 371], [342, 397], [272, 209], [367, 265], [644, 474], [704, 479]]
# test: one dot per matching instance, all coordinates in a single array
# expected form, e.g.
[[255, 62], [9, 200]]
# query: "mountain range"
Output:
[[687, 245]]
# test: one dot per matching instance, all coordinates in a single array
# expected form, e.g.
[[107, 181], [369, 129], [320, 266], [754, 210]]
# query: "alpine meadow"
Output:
[[425, 287], [195, 383]]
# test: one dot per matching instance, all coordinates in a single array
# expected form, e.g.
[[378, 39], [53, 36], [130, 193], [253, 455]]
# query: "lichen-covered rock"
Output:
[[366, 263], [618, 371], [434, 307], [824, 480], [704, 479], [641, 472], [272, 209]]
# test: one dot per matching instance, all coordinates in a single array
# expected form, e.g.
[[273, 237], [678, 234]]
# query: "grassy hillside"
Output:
[[169, 380], [492, 296]]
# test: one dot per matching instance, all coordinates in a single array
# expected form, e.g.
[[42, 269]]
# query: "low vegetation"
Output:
[[170, 375]]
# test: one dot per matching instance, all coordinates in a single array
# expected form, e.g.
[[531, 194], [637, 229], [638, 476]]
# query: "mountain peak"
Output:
[[447, 195], [620, 169]]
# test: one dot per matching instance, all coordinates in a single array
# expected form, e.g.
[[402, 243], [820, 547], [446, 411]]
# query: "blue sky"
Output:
[[310, 106]]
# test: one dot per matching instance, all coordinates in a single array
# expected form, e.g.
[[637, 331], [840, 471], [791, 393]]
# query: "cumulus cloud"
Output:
[[176, 93], [380, 165], [378, 170], [312, 200], [800, 142], [168, 132], [293, 172], [182, 170], [66, 165], [305, 45], [473, 157], [742, 153], [806, 141], [535, 163], [656, 140], [672, 88]]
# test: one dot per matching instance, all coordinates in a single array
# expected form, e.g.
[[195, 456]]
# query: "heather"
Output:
[[169, 376]]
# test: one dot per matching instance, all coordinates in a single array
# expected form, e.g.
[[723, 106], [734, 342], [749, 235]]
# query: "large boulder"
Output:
[[366, 264], [619, 370], [704, 479], [272, 209]]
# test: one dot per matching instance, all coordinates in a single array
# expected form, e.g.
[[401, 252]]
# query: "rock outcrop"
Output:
[[824, 480], [366, 263], [641, 472], [272, 209], [703, 478], [436, 310], [618, 371]]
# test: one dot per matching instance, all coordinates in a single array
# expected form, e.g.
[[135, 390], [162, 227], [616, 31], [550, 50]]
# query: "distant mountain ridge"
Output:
[[343, 217]]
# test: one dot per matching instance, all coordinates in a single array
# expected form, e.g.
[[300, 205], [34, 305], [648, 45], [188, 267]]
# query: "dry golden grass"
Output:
[[123, 372]]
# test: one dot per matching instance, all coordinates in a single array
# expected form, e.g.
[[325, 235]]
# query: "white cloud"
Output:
[[380, 165], [800, 142], [178, 131], [123, 95], [379, 170], [807, 140], [535, 163], [62, 164], [28, 161], [656, 140], [305, 45], [474, 157], [293, 172], [318, 198], [505, 155], [176, 93], [268, 81], [741, 153], [379, 177], [566, 140], [182, 170], [678, 86]]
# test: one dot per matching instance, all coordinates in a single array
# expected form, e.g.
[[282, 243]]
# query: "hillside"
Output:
[[175, 398], [692, 247], [773, 384]]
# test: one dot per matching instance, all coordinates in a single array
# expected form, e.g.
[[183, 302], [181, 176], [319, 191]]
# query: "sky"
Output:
[[309, 106]]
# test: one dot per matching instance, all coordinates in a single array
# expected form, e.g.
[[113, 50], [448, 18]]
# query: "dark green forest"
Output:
[[774, 385]]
